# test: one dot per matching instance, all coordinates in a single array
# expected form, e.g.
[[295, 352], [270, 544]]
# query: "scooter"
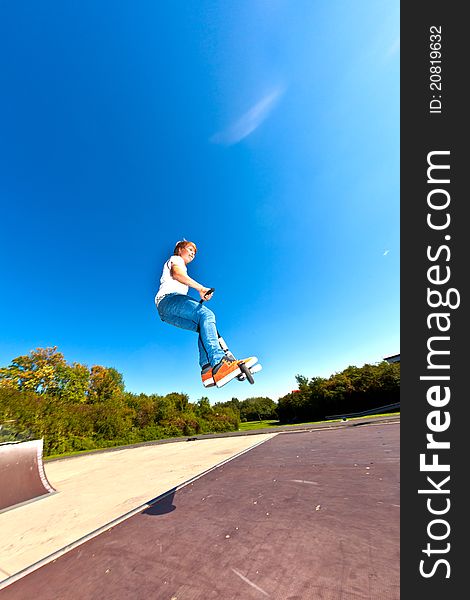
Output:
[[246, 371]]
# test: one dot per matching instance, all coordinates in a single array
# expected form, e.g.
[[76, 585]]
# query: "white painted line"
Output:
[[246, 580]]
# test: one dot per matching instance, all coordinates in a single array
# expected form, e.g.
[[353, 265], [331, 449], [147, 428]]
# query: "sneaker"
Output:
[[206, 376], [225, 371]]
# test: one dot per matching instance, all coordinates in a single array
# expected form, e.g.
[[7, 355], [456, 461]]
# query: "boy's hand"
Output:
[[203, 291]]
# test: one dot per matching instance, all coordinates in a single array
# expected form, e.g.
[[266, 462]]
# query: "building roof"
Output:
[[392, 358]]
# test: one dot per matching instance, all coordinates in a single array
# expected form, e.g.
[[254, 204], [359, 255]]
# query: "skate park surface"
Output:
[[313, 513]]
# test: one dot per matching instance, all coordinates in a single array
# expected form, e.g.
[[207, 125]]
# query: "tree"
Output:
[[294, 406], [105, 383], [144, 408], [257, 409], [164, 409], [40, 371], [234, 405], [179, 400], [204, 408], [75, 383], [353, 390]]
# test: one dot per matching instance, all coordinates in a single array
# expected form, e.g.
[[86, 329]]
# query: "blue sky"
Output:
[[265, 131]]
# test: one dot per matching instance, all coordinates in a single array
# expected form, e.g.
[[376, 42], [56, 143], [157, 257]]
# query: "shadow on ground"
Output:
[[162, 506]]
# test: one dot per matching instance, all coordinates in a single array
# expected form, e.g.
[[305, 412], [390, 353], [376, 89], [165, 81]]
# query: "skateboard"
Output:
[[247, 371]]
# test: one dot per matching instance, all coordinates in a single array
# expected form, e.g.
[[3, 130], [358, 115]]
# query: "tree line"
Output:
[[75, 407], [354, 390]]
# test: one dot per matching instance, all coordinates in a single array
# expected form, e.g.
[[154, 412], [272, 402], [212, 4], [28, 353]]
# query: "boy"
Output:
[[177, 308]]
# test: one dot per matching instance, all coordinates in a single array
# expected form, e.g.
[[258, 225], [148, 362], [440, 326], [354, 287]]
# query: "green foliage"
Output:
[[105, 384], [75, 383], [227, 418], [355, 389], [41, 371], [144, 407], [257, 409], [204, 408], [76, 408]]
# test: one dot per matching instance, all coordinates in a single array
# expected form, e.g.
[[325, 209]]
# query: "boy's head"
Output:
[[182, 245]]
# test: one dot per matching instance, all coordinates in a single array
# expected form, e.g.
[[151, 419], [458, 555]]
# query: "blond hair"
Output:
[[183, 244]]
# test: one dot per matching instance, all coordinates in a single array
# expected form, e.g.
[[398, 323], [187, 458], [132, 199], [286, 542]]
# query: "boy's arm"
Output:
[[178, 274]]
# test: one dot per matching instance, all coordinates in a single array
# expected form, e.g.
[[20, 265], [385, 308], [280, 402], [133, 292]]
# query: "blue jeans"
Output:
[[185, 312]]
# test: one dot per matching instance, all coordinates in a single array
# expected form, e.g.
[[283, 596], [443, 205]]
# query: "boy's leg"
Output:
[[224, 368], [203, 356], [178, 310], [182, 311], [208, 337], [206, 369], [185, 312]]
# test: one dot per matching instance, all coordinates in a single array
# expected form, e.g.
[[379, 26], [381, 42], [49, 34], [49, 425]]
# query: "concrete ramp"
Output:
[[22, 476], [308, 515]]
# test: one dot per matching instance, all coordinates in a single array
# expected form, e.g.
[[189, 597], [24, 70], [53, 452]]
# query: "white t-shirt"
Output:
[[168, 285]]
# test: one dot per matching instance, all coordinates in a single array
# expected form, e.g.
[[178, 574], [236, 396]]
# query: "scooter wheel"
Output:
[[246, 371]]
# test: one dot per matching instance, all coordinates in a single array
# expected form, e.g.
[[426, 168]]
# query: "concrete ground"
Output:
[[95, 490], [303, 515]]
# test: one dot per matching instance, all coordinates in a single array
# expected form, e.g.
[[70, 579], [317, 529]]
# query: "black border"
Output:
[[420, 133]]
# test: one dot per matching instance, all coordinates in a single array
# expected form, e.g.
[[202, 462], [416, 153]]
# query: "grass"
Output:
[[248, 426], [253, 425]]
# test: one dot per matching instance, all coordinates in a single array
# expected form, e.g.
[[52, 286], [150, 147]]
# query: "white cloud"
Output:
[[249, 121]]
